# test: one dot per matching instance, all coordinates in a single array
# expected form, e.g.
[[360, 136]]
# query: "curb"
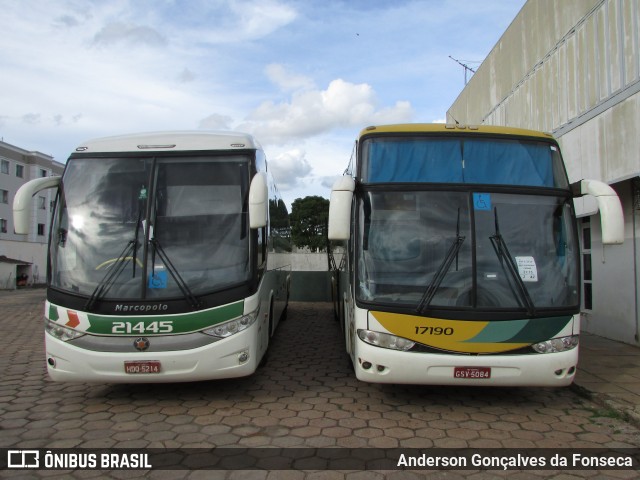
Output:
[[626, 412]]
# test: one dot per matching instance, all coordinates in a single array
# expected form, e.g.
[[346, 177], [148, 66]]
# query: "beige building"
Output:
[[23, 257], [572, 68]]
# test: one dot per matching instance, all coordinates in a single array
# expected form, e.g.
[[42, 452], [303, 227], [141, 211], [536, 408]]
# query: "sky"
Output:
[[302, 76]]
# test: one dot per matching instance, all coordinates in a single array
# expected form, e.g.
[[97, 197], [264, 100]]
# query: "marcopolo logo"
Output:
[[156, 307]]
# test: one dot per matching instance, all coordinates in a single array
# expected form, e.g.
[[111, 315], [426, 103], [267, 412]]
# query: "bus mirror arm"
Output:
[[611, 217], [258, 201], [22, 201], [340, 208]]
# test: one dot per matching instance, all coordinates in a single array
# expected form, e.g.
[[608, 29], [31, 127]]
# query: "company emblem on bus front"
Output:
[[141, 344]]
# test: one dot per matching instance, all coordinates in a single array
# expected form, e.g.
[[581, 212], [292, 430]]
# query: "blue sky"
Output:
[[303, 76]]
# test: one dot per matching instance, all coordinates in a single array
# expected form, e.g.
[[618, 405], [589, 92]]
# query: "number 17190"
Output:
[[434, 330]]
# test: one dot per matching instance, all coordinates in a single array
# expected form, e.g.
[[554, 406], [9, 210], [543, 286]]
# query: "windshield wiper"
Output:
[[107, 281], [502, 251], [130, 252], [182, 285], [437, 279]]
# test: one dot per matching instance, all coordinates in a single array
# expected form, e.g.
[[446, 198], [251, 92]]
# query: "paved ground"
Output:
[[304, 397]]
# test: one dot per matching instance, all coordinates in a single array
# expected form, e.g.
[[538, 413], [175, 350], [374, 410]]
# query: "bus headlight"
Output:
[[61, 333], [385, 340], [560, 344], [226, 329]]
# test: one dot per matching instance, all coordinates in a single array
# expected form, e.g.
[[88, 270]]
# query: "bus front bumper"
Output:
[[235, 356], [380, 365]]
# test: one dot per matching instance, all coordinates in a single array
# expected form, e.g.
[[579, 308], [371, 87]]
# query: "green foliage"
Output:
[[309, 217], [280, 229]]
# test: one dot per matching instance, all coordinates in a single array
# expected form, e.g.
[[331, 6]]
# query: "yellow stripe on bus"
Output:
[[451, 335]]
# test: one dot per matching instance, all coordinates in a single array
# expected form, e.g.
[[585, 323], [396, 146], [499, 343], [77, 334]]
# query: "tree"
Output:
[[309, 217]]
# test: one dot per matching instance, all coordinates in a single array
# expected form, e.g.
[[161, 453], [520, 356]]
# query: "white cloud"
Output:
[[286, 80], [216, 122], [258, 18], [312, 112], [288, 168], [118, 33], [232, 21], [186, 76]]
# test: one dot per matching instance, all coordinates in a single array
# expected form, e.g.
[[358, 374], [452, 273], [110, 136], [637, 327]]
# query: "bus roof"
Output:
[[448, 128], [170, 141]]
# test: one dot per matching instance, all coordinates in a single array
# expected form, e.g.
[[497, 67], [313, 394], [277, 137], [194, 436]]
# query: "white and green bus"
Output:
[[168, 259], [461, 262]]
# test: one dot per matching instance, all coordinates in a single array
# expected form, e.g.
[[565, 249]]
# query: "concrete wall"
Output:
[[572, 67], [310, 280]]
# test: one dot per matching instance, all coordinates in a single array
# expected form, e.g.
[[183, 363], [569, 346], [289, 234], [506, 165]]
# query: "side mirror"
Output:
[[22, 201], [258, 201], [340, 208], [611, 217]]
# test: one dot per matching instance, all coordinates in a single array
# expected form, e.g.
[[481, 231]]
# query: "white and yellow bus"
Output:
[[164, 264], [461, 259]]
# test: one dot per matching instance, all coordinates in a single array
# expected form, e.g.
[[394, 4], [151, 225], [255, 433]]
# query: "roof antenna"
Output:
[[466, 67]]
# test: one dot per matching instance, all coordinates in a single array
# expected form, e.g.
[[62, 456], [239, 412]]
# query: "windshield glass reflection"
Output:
[[111, 209], [427, 249]]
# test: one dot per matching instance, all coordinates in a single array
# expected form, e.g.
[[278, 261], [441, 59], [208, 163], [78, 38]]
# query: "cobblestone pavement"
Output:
[[305, 396]]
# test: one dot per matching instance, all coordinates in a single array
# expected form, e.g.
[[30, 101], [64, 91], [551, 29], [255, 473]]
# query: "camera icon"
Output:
[[23, 459]]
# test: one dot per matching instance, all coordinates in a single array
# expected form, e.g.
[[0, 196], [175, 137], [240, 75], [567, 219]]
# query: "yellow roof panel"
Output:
[[453, 128]]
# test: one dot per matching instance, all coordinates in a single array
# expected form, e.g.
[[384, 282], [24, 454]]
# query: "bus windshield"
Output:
[[150, 228], [439, 249]]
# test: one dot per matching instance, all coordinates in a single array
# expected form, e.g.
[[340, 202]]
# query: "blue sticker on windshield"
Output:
[[158, 280], [482, 201]]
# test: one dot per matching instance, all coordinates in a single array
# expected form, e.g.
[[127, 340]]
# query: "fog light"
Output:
[[243, 357], [366, 365]]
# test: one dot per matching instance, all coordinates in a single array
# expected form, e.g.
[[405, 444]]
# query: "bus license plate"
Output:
[[472, 372], [144, 367]]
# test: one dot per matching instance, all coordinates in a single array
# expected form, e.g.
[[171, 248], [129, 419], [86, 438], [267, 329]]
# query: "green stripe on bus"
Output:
[[521, 331], [180, 323]]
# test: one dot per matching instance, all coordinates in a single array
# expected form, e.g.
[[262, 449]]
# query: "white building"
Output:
[[23, 257], [572, 67]]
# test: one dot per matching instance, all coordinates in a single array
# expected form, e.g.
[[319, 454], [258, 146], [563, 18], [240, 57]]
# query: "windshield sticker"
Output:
[[527, 269], [482, 201], [158, 280]]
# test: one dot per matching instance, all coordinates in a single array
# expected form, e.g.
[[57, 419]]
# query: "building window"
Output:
[[4, 196], [3, 225], [43, 173], [41, 229], [587, 272], [42, 203], [20, 171], [4, 166]]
